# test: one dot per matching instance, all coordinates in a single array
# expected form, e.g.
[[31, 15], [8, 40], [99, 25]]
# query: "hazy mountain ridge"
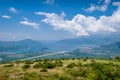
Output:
[[21, 46], [83, 42], [66, 44], [113, 48], [38, 48], [75, 47]]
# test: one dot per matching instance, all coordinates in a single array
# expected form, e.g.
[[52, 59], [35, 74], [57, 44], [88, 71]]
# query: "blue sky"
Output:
[[57, 19]]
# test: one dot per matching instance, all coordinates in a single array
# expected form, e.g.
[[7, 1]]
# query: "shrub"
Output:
[[83, 72], [59, 63], [99, 76], [73, 58], [43, 70], [85, 59], [26, 78], [45, 60], [77, 72], [9, 65], [64, 78], [93, 61], [79, 64], [4, 77], [28, 62], [71, 65], [26, 66], [31, 76], [37, 65], [48, 65], [97, 66], [117, 58], [17, 62]]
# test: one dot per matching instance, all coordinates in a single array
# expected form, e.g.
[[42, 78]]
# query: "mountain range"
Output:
[[21, 46], [29, 45], [90, 46]]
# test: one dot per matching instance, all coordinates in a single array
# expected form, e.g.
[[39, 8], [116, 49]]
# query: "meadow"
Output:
[[62, 69]]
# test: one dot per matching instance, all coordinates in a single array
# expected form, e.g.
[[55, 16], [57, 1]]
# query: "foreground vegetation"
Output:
[[64, 69]]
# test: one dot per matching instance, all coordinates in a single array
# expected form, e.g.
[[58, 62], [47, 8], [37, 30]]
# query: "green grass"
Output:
[[84, 69]]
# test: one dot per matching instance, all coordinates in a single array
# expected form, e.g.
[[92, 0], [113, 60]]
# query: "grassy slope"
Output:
[[18, 73]]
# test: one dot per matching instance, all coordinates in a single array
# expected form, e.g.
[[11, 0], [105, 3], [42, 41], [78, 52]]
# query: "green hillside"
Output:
[[64, 69]]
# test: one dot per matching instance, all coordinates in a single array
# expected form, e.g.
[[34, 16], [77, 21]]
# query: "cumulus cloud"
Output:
[[98, 7], [6, 16], [28, 23], [49, 2], [12, 9], [81, 25], [58, 22]]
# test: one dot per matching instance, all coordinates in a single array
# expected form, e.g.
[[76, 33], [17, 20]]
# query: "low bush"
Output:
[[26, 66], [71, 65], [9, 65], [37, 65], [28, 62], [48, 65], [58, 63], [43, 70]]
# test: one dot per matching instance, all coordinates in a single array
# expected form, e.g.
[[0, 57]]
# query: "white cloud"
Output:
[[91, 8], [6, 16], [26, 19], [59, 23], [28, 23], [116, 4], [12, 9], [13, 36], [81, 25], [49, 2], [94, 7]]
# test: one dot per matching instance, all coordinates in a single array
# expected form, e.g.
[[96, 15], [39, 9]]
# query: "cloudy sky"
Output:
[[58, 19]]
